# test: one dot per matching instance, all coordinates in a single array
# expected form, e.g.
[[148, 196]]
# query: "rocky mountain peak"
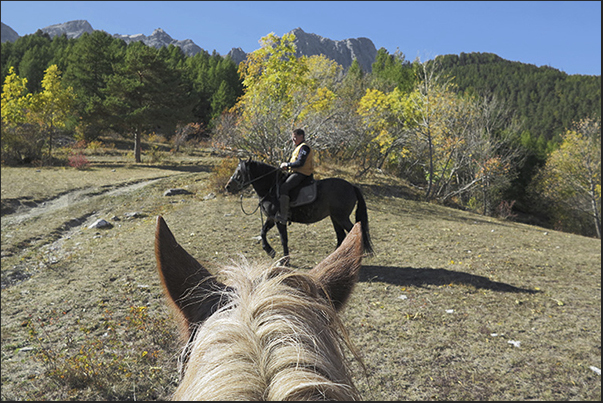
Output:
[[237, 55], [160, 38], [343, 52], [161, 35], [73, 29]]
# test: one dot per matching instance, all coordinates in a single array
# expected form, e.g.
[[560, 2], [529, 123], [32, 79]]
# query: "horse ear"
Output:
[[190, 288], [338, 273]]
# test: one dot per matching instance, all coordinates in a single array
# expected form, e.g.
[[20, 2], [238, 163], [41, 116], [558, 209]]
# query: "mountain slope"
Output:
[[547, 100], [8, 34]]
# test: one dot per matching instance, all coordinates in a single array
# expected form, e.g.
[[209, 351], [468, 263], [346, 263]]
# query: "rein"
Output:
[[253, 212], [244, 185], [249, 182]]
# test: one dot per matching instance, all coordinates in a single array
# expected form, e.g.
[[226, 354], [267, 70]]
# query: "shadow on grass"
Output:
[[408, 276]]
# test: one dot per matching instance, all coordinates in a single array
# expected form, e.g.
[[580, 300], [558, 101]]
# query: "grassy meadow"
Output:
[[452, 306]]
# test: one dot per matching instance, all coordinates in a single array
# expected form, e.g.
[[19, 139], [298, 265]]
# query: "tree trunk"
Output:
[[596, 217], [137, 146], [50, 144], [428, 195]]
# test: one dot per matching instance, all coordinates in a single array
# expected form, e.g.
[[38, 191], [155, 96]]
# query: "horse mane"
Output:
[[276, 336], [262, 164], [262, 167]]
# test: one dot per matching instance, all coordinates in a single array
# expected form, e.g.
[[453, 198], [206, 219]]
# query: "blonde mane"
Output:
[[262, 332], [276, 338]]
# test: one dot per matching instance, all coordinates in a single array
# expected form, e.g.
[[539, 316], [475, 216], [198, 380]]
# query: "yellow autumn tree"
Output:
[[281, 92], [51, 107], [314, 96], [455, 144], [425, 127], [20, 142], [571, 177], [15, 99], [383, 117]]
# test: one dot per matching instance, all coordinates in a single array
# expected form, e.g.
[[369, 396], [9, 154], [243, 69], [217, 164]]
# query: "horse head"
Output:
[[262, 332], [240, 178]]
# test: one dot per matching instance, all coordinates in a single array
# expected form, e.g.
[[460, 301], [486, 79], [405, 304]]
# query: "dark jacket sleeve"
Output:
[[301, 157]]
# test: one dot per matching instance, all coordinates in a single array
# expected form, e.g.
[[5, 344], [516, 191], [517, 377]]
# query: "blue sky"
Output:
[[565, 35]]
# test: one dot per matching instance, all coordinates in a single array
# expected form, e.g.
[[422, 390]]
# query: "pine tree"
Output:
[[145, 94]]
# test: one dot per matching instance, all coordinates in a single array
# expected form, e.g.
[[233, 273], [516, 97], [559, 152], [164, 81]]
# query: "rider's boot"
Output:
[[283, 213]]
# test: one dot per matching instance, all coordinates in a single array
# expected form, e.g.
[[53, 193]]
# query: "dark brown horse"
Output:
[[261, 332], [336, 198]]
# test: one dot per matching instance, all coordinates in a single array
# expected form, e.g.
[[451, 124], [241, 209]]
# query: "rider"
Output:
[[301, 166]]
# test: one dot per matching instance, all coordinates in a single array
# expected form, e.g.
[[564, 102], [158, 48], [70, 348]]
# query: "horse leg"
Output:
[[265, 245], [282, 229], [341, 225]]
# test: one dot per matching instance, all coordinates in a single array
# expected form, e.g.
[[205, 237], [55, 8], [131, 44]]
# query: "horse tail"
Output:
[[362, 216]]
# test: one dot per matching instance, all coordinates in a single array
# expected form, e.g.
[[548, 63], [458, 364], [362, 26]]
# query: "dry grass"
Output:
[[433, 314]]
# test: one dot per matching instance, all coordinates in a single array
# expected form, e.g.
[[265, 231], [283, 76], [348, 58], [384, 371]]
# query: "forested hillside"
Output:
[[475, 131], [546, 100], [207, 83]]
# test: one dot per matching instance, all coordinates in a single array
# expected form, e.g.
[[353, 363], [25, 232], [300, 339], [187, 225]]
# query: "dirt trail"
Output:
[[65, 200], [52, 243]]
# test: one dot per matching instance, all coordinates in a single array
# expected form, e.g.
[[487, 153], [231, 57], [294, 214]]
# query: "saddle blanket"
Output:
[[306, 195]]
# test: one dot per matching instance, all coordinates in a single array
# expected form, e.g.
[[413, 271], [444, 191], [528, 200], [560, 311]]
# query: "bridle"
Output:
[[245, 180], [246, 176]]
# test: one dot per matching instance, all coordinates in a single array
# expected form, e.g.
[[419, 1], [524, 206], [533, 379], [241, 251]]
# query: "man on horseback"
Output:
[[301, 166]]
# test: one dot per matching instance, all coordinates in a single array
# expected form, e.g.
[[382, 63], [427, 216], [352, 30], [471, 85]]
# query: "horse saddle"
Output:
[[304, 194]]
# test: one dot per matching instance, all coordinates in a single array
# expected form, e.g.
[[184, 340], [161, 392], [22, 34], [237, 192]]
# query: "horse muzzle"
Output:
[[232, 186]]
